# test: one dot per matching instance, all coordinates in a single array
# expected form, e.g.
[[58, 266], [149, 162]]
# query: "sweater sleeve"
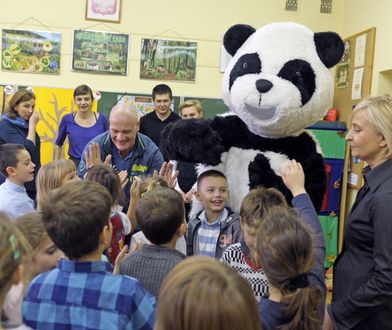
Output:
[[306, 211], [62, 132]]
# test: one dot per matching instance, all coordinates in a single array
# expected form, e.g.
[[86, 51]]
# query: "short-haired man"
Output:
[[153, 123], [128, 149]]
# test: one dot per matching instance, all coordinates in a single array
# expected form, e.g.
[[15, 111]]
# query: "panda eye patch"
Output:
[[246, 64], [301, 74]]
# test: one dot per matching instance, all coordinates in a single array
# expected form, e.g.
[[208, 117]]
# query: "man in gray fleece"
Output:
[[161, 217]]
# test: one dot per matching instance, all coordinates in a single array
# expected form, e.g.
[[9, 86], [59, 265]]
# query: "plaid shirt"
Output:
[[86, 295]]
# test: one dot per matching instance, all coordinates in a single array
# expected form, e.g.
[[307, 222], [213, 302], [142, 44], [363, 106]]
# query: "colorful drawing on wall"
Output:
[[52, 104], [100, 52], [168, 60], [142, 104], [103, 10], [31, 51]]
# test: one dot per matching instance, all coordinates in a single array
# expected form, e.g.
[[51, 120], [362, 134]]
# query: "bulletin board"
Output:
[[344, 102], [358, 57]]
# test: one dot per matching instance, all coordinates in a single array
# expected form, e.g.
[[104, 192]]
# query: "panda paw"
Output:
[[191, 140]]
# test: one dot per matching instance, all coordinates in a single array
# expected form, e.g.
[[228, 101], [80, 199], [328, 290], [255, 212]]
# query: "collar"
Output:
[[247, 258], [73, 266], [224, 214], [18, 121], [376, 176], [14, 186]]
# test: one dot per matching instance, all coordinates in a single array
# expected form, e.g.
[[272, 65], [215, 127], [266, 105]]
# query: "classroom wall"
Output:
[[203, 21], [363, 14]]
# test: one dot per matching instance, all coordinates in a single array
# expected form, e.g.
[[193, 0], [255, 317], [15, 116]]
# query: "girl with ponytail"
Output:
[[290, 246]]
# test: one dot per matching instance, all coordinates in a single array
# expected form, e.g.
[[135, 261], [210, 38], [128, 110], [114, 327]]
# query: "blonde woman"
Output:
[[362, 281]]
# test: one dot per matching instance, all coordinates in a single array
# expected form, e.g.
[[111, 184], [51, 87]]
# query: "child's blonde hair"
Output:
[[51, 175], [201, 293], [13, 247], [152, 183], [258, 204]]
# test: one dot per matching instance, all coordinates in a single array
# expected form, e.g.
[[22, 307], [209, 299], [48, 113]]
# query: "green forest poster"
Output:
[[168, 60]]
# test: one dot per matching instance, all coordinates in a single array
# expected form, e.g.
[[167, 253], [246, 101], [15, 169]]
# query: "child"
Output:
[[201, 293], [211, 231], [160, 214], [292, 259], [43, 257], [54, 175], [107, 176], [13, 249], [82, 292], [148, 184], [17, 167], [257, 204]]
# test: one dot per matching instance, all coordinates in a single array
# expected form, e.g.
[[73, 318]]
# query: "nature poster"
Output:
[[31, 51], [100, 52], [168, 60]]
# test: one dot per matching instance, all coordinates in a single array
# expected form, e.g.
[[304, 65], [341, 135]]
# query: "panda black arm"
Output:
[[193, 141], [303, 149], [233, 132]]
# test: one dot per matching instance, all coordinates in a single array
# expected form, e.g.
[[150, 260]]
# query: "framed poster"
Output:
[[103, 10], [31, 51], [100, 52], [168, 60]]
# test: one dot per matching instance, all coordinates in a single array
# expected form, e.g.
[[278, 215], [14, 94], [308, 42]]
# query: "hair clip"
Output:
[[299, 281], [14, 246]]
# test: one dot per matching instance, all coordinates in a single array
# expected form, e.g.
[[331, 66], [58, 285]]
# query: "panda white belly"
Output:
[[235, 163]]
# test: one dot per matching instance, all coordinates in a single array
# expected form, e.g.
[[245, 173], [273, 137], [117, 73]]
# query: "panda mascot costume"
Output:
[[277, 83]]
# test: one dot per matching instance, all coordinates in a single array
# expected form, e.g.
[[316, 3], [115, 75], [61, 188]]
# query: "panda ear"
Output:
[[235, 37], [330, 47]]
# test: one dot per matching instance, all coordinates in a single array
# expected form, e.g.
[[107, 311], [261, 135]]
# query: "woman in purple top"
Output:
[[80, 126]]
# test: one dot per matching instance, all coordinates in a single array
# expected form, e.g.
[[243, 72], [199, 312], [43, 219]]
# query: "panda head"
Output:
[[278, 81]]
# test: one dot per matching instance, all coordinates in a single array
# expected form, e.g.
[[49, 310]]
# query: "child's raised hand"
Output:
[[93, 155], [293, 177], [166, 173], [123, 175], [120, 257], [135, 188]]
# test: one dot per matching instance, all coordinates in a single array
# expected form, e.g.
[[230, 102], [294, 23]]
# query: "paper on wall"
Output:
[[356, 92]]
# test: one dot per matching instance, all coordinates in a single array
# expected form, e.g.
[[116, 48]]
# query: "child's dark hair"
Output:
[[160, 213], [284, 245], [161, 89], [258, 204], [74, 216], [108, 177], [9, 156], [210, 173], [83, 90]]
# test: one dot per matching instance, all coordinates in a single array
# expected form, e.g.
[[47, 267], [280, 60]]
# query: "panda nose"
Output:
[[263, 86]]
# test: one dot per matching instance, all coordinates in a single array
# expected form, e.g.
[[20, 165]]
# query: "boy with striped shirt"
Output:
[[212, 230]]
